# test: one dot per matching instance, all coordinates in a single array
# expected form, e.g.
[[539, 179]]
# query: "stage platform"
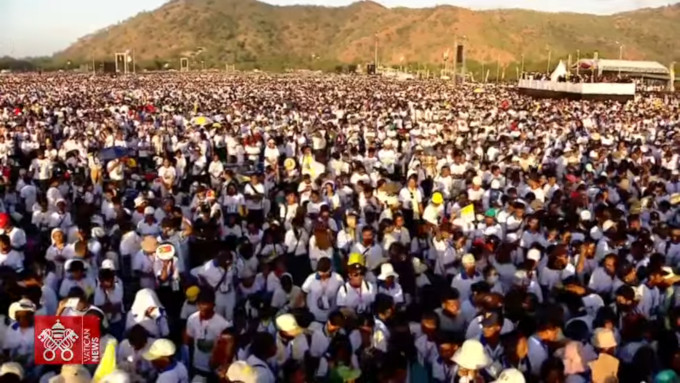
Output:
[[586, 91]]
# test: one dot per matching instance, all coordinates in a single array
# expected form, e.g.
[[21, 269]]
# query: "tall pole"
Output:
[[521, 69], [578, 59], [498, 68], [455, 60], [375, 52], [134, 70]]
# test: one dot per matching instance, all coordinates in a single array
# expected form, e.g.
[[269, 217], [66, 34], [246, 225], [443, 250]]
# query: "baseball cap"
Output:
[[160, 348]]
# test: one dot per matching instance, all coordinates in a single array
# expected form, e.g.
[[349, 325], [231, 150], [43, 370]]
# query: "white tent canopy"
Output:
[[560, 70], [626, 66]]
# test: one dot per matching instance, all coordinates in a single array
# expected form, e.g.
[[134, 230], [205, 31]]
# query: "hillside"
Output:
[[255, 34]]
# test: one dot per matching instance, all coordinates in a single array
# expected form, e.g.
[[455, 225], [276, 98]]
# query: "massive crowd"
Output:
[[338, 229]]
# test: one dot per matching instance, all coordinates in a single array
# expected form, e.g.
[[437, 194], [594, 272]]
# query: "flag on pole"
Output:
[[446, 54]]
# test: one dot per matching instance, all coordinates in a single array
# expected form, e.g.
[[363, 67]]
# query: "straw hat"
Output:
[[675, 198], [160, 348], [471, 355], [72, 373], [289, 164], [149, 244]]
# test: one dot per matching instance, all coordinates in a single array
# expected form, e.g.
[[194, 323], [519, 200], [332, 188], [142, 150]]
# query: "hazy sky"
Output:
[[41, 27]]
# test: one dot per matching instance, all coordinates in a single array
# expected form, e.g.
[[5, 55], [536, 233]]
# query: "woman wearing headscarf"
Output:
[[59, 251], [148, 312]]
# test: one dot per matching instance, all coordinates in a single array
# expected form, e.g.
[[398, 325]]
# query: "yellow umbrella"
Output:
[[479, 90], [200, 120]]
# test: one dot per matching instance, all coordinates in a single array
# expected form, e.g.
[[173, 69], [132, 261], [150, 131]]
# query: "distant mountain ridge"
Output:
[[256, 34]]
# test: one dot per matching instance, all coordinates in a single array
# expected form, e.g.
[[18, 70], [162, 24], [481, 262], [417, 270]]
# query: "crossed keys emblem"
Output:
[[58, 338]]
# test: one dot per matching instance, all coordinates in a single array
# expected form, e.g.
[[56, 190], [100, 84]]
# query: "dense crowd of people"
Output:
[[338, 229]]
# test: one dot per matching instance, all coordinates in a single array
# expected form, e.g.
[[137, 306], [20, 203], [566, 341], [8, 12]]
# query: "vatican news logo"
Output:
[[67, 340]]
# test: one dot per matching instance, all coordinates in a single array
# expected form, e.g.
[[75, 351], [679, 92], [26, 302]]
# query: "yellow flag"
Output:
[[108, 362], [467, 213]]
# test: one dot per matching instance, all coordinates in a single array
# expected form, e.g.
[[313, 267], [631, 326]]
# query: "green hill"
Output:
[[258, 35]]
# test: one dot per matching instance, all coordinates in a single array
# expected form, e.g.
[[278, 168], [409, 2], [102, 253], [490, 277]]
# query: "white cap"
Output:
[[608, 224], [12, 368], [477, 181], [241, 372], [117, 376], [534, 255], [107, 264], [287, 323], [386, 271], [585, 215], [149, 210], [510, 375], [21, 305], [160, 348], [468, 259]]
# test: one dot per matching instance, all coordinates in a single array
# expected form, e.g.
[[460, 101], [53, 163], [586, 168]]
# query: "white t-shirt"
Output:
[[42, 169], [177, 373], [205, 333], [255, 190]]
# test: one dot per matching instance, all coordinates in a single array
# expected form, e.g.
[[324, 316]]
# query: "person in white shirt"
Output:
[[262, 349], [161, 354], [387, 284], [219, 274], [255, 196], [19, 338], [356, 294], [203, 328], [467, 277], [60, 218], [320, 290], [9, 257], [215, 170], [41, 168], [108, 296], [148, 312], [130, 352]]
